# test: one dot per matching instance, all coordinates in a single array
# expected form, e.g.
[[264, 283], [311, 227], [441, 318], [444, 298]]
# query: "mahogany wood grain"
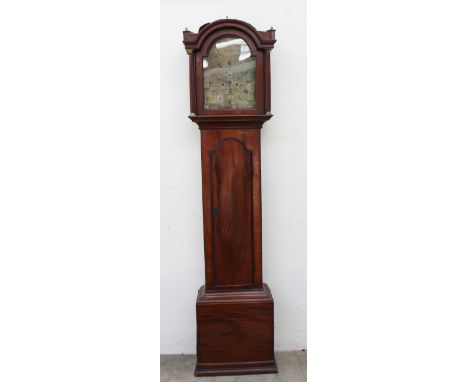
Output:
[[231, 215], [232, 235], [234, 308], [235, 333]]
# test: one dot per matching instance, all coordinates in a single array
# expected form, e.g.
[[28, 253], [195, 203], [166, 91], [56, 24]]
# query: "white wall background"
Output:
[[283, 171]]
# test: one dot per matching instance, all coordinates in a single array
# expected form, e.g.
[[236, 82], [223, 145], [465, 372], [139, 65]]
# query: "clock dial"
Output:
[[229, 75]]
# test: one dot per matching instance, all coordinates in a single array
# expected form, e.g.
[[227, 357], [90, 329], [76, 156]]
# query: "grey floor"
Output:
[[292, 367]]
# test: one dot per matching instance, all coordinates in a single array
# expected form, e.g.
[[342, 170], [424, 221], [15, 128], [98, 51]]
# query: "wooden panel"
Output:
[[233, 235], [232, 223], [239, 332], [235, 331]]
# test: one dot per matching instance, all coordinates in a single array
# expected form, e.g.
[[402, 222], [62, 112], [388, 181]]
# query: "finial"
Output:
[[227, 17], [186, 29], [271, 29]]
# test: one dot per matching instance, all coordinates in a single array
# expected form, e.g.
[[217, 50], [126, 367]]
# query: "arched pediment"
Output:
[[262, 40]]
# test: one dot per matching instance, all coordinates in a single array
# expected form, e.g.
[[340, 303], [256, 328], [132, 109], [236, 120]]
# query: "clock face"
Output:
[[229, 75]]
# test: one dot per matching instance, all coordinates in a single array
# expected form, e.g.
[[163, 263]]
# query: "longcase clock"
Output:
[[230, 101]]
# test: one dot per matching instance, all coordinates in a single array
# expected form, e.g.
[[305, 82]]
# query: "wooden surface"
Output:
[[234, 307], [231, 213], [232, 208], [235, 333]]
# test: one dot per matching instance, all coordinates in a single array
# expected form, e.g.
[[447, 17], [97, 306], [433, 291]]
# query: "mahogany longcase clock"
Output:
[[230, 101]]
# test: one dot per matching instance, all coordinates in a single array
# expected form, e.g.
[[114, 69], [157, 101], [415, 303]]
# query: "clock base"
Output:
[[235, 369], [235, 332]]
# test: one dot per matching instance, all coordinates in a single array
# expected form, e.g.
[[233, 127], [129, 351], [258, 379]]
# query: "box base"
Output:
[[235, 332]]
